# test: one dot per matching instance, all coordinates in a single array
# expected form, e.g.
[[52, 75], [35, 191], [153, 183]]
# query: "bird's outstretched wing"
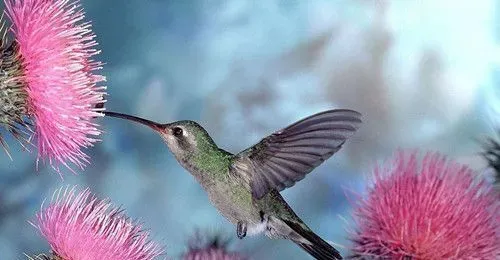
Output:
[[286, 156]]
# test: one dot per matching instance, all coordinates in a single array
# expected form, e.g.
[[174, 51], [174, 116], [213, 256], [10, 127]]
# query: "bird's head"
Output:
[[184, 138]]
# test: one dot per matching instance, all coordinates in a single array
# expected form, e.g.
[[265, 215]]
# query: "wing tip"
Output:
[[343, 110], [356, 118]]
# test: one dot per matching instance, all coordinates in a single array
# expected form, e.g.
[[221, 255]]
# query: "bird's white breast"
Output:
[[255, 229]]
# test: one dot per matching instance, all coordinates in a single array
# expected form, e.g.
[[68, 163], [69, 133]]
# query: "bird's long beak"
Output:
[[156, 126]]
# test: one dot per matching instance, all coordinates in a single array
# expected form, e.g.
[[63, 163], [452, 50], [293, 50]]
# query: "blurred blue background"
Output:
[[425, 74]]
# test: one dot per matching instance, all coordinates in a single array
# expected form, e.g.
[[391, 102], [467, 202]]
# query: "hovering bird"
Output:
[[245, 187]]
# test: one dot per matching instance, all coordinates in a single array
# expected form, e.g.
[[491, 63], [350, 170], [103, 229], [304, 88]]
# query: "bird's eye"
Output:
[[177, 131]]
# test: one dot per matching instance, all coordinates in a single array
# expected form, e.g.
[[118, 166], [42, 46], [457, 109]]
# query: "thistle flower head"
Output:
[[13, 95], [58, 73], [210, 248], [80, 226], [429, 209]]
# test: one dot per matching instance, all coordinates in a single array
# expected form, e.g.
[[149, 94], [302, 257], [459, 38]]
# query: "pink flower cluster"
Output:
[[56, 49], [81, 226], [429, 209]]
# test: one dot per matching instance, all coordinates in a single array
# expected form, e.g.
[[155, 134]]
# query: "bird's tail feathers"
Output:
[[313, 244]]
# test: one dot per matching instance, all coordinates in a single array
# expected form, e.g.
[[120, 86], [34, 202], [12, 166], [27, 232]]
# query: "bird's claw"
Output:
[[241, 229]]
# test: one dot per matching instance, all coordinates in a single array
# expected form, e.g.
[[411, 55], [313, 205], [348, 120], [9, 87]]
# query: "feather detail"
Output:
[[286, 156]]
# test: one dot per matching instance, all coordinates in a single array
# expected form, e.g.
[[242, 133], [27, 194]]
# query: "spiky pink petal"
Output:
[[429, 209], [57, 47], [79, 226]]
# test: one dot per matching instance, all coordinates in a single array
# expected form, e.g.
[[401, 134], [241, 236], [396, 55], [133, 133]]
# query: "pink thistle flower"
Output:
[[80, 226], [429, 209], [56, 49], [210, 248]]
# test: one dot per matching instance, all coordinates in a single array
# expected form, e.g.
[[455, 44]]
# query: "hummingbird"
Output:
[[245, 187]]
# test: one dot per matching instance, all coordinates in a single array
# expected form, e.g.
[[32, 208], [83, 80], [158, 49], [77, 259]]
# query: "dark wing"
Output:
[[286, 156]]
